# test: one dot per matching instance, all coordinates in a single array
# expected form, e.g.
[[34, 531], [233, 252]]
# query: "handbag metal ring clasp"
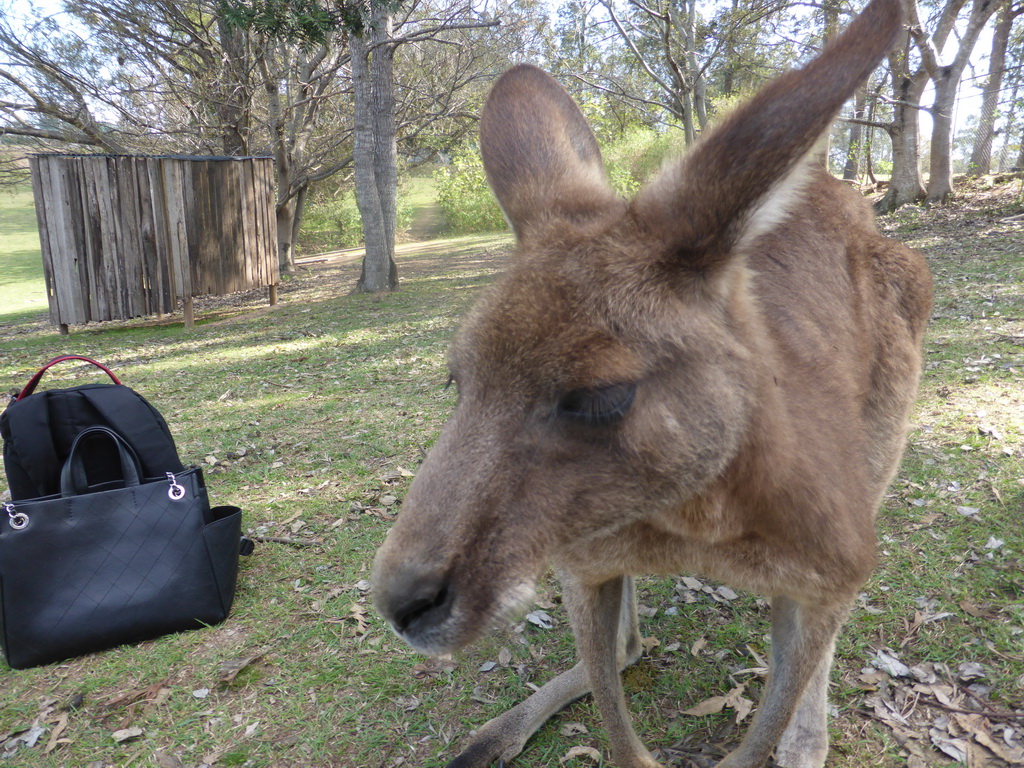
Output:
[[18, 519], [176, 492]]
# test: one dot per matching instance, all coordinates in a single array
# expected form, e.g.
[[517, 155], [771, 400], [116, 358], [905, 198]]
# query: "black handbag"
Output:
[[38, 429], [115, 562]]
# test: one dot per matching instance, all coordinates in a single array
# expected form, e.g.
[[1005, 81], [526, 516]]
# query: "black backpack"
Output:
[[39, 428]]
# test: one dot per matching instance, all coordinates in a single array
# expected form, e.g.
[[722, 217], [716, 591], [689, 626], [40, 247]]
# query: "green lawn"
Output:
[[22, 288]]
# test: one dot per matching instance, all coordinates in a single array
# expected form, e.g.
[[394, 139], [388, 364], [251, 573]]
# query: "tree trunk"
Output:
[[981, 153], [947, 81], [231, 95], [851, 172], [374, 152], [905, 184], [1010, 130], [385, 145], [699, 81], [940, 167], [286, 234], [299, 210]]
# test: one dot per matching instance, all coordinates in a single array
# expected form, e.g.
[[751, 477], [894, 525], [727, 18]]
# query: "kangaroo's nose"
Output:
[[412, 600]]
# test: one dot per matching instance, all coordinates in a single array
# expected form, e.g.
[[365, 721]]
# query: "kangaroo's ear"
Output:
[[745, 176], [541, 157]]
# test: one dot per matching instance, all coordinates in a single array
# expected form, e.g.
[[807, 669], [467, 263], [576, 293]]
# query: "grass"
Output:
[[22, 289], [311, 416]]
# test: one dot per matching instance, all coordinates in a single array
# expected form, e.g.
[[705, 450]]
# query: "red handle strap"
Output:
[[34, 381]]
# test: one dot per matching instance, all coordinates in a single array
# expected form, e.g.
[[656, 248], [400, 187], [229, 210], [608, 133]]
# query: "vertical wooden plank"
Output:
[[178, 188], [245, 215], [243, 262], [201, 227], [68, 266], [41, 196], [273, 259], [147, 238], [214, 267], [195, 196], [230, 219], [217, 264], [130, 243], [94, 169], [255, 179], [272, 195], [116, 170], [163, 302], [104, 277], [267, 221], [74, 176]]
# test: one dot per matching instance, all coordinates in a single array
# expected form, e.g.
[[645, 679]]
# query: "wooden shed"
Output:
[[126, 236]]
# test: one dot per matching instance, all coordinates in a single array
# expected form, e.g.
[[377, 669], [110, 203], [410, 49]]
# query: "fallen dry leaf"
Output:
[[649, 643], [433, 668], [58, 729], [541, 619], [971, 670], [357, 613], [127, 734], [734, 699], [740, 703], [889, 664], [588, 752], [711, 706], [163, 760], [573, 729], [156, 693], [228, 670], [408, 703]]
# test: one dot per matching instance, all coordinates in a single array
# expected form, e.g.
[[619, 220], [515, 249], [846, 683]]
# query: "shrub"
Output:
[[469, 206], [463, 194], [340, 214], [637, 155]]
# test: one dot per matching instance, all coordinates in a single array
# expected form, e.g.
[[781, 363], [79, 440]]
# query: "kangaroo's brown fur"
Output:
[[712, 378]]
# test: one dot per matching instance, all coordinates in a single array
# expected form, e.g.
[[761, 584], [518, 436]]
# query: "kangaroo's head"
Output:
[[611, 373]]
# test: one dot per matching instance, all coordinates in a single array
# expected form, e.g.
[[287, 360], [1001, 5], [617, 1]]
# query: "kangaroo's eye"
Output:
[[600, 406]]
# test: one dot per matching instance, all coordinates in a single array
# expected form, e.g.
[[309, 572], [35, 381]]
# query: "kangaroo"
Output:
[[714, 377]]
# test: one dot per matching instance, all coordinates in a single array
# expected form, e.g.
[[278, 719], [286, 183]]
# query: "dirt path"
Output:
[[428, 223]]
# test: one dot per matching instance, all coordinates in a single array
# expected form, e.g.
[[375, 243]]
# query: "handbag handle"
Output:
[[34, 381], [72, 474]]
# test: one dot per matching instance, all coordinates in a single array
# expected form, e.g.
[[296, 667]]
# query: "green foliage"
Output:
[[463, 194], [299, 20], [347, 223], [302, 21], [469, 206], [637, 155], [338, 223]]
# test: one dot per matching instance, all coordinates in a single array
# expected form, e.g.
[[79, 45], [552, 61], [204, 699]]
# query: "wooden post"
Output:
[[190, 318], [273, 294]]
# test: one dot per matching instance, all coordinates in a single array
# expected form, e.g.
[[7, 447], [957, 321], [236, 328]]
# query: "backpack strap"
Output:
[[130, 415], [34, 381], [28, 434]]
